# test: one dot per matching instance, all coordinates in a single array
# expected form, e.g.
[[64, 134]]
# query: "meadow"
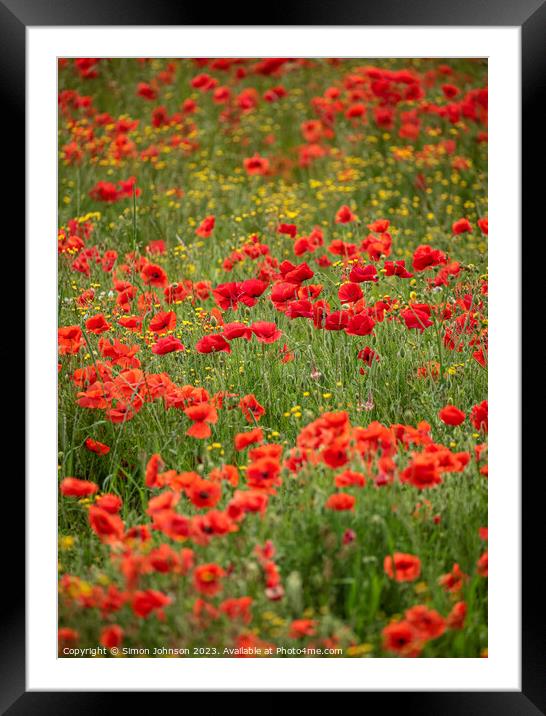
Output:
[[272, 386]]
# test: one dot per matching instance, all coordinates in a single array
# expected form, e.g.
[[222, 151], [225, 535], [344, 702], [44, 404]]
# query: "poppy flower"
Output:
[[482, 565], [97, 447], [72, 487], [422, 471], [154, 275], [344, 215], [236, 330], [214, 343], [110, 503], [402, 639], [450, 415], [360, 325], [349, 293], [162, 322], [263, 474], [204, 493], [154, 465], [289, 229], [168, 344], [296, 273], [256, 165], [453, 581], [204, 230], [417, 316], [479, 416], [426, 257], [300, 628], [202, 415], [397, 268], [107, 526], [402, 567], [237, 609], [252, 410], [207, 579], [461, 226], [337, 321], [229, 473], [457, 615], [360, 273], [265, 331], [484, 225], [349, 478], [70, 340], [111, 636], [379, 226], [340, 501], [243, 440], [97, 324], [67, 637], [148, 601], [426, 622]]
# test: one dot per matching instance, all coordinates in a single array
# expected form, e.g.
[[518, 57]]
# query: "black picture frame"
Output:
[[530, 15]]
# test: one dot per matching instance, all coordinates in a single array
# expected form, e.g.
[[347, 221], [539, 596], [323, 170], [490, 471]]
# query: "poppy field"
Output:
[[272, 358]]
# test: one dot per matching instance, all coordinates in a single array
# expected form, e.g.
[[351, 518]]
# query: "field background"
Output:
[[192, 168]]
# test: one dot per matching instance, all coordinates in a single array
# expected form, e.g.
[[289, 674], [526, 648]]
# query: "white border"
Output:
[[501, 671]]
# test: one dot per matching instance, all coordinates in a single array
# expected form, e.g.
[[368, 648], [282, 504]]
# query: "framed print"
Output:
[[273, 354]]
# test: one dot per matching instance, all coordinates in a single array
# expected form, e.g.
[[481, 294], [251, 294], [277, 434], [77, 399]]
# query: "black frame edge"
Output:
[[533, 72], [13, 22]]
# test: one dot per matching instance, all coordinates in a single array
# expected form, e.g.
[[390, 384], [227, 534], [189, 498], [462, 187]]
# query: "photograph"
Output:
[[272, 363]]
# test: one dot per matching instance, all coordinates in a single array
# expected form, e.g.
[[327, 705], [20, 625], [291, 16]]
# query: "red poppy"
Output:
[[204, 230], [344, 215], [450, 415], [360, 273], [205, 493], [70, 339], [162, 322], [479, 416], [107, 526], [426, 257], [215, 343], [256, 165], [243, 440], [402, 567], [289, 229], [154, 275], [236, 330], [457, 616], [265, 331], [110, 503], [482, 565], [461, 226], [401, 638], [427, 622], [207, 579], [202, 415], [72, 487], [453, 581], [349, 293], [340, 501], [151, 478], [300, 628], [417, 316], [97, 447], [252, 410], [237, 609], [111, 636], [97, 324], [148, 601]]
